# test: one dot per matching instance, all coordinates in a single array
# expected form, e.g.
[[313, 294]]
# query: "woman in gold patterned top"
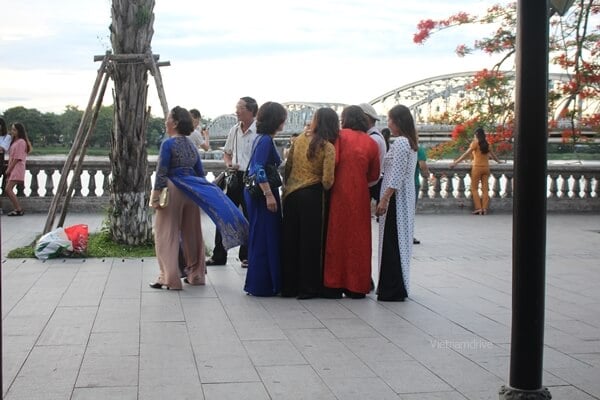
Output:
[[309, 173]]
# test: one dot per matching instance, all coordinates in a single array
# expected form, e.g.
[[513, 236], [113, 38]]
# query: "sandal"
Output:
[[15, 213]]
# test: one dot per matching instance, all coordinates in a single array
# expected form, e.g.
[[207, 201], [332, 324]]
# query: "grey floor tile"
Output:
[[454, 395], [360, 389], [294, 383], [68, 326], [235, 391], [50, 372], [103, 393], [273, 352], [408, 377], [108, 370]]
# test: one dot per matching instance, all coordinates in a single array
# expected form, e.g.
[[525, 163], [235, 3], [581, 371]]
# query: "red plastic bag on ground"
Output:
[[78, 235]]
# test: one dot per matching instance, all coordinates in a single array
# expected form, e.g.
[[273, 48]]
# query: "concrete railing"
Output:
[[571, 188]]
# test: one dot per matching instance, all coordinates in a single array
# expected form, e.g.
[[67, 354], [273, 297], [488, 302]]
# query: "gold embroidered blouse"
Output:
[[301, 172]]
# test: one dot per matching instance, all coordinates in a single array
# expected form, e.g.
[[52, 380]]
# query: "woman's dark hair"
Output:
[[22, 134], [183, 118], [385, 132], [195, 113], [3, 130], [484, 146], [325, 127], [353, 117], [269, 118], [401, 117], [251, 104]]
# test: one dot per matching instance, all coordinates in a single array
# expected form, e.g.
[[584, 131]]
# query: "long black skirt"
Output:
[[391, 283], [303, 223]]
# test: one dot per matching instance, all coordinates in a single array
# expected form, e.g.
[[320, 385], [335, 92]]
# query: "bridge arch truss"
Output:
[[435, 95]]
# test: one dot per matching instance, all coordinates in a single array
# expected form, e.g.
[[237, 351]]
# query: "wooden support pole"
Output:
[[159, 85], [60, 190], [126, 57], [79, 166]]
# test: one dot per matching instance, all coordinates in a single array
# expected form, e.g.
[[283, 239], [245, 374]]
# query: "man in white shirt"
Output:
[[373, 132], [198, 137], [236, 155]]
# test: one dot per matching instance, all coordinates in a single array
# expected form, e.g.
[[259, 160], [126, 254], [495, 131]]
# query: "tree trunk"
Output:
[[130, 219]]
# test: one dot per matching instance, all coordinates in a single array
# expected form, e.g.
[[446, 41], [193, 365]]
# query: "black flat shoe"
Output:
[[354, 295], [210, 261], [156, 285]]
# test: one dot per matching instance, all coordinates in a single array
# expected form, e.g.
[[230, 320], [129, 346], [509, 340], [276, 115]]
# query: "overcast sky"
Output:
[[345, 51]]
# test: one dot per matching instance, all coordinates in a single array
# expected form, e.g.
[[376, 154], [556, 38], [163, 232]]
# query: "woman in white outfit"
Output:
[[396, 207]]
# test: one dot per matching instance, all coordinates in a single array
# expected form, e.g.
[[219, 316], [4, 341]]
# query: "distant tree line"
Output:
[[57, 130]]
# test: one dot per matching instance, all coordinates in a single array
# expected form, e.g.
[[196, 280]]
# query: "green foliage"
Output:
[[48, 131]]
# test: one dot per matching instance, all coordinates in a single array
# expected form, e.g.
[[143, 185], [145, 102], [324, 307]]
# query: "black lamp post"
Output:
[[529, 207]]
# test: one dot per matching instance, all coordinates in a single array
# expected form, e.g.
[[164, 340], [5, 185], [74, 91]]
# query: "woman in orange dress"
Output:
[[480, 170], [348, 247]]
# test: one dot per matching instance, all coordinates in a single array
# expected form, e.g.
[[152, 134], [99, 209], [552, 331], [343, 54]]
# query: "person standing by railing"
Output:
[[236, 156], [199, 136], [480, 170], [17, 157]]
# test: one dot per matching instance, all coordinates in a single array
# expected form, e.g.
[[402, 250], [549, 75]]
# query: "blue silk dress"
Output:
[[179, 161], [264, 242]]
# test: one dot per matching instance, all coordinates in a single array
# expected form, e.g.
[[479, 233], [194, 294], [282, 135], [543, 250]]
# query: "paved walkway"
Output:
[[92, 329]]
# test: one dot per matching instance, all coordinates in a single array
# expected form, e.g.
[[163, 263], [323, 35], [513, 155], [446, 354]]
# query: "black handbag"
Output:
[[232, 181], [273, 178]]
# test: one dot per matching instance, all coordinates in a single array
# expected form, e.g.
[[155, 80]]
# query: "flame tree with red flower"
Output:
[[574, 49]]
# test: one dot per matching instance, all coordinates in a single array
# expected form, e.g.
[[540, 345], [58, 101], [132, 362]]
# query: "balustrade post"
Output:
[[34, 182], [496, 186], [424, 188], [460, 194], [76, 182], [105, 183], [508, 189], [92, 183], [576, 187], [449, 188], [20, 190], [437, 187], [587, 187], [563, 190], [49, 185], [553, 189]]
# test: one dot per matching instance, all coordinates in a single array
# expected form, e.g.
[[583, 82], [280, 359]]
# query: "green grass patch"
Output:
[[100, 245]]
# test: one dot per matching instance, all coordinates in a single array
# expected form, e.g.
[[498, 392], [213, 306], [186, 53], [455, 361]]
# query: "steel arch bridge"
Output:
[[425, 98], [299, 114], [436, 95]]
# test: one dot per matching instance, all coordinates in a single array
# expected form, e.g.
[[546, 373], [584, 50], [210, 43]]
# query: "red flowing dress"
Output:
[[348, 246]]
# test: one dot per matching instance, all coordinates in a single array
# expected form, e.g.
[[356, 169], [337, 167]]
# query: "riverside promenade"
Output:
[[85, 329]]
